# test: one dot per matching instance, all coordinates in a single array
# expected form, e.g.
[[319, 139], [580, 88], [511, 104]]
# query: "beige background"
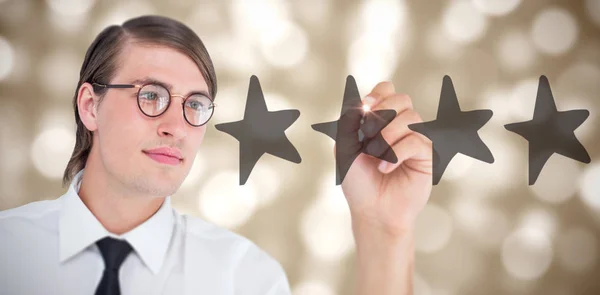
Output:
[[484, 231]]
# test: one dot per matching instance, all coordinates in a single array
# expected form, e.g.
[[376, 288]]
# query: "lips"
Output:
[[165, 155]]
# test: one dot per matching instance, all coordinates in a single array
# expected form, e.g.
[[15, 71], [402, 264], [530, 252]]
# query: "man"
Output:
[[114, 231]]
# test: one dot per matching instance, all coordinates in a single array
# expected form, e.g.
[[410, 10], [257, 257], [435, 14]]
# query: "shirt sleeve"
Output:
[[259, 274]]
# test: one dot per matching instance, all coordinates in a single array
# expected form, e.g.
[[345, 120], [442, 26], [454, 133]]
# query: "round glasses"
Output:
[[154, 100]]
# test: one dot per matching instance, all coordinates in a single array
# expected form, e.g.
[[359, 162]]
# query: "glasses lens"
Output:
[[153, 99], [198, 109]]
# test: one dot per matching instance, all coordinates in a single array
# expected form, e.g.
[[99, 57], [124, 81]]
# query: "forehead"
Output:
[[162, 63]]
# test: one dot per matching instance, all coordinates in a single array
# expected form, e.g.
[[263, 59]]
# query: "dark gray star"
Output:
[[550, 131], [261, 131], [454, 131], [356, 132]]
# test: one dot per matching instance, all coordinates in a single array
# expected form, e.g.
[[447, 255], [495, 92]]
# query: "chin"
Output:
[[158, 186]]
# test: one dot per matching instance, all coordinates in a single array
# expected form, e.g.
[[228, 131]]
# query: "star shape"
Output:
[[261, 131], [550, 131], [454, 131], [357, 132]]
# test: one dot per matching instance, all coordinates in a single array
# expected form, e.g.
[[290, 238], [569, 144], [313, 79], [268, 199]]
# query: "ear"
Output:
[[87, 106]]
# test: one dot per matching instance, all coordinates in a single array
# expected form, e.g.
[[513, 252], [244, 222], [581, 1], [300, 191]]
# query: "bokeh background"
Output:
[[484, 230]]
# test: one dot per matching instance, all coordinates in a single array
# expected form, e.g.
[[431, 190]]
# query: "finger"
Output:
[[398, 127], [411, 151], [397, 102], [381, 90], [391, 134]]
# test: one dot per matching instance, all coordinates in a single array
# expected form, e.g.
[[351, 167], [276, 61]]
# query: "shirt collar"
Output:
[[79, 228]]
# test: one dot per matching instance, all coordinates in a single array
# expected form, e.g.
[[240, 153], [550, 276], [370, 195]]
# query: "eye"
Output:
[[149, 95], [194, 104]]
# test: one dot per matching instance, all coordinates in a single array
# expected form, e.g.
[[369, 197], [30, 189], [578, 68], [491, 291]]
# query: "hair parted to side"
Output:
[[101, 62]]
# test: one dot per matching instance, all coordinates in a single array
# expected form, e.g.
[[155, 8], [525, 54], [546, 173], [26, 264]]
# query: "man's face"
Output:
[[125, 138]]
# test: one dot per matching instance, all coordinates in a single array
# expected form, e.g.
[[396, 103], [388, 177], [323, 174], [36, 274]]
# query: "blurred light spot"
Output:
[[428, 95], [277, 246], [237, 55], [204, 14], [58, 74], [12, 190], [463, 22], [51, 150], [433, 229], [258, 16], [198, 168], [326, 226], [383, 16], [577, 250], [183, 208], [458, 167], [72, 24], [371, 60], [554, 31], [592, 8], [14, 156], [268, 182], [277, 102], [522, 99], [588, 129], [314, 12], [68, 8], [313, 288], [590, 186], [226, 203], [540, 220], [526, 254], [496, 7], [558, 180], [309, 73], [486, 225], [495, 98], [120, 12], [421, 287], [515, 50], [20, 72], [381, 37], [57, 117], [7, 58], [441, 46], [233, 98], [285, 45], [486, 179]]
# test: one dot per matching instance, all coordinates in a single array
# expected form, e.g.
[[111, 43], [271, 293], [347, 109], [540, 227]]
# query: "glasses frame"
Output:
[[185, 98]]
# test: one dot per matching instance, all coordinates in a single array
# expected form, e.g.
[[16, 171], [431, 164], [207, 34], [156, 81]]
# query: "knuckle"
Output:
[[413, 117], [385, 87], [406, 100], [385, 84]]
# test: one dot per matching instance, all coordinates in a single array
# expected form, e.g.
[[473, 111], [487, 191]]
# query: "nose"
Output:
[[172, 123]]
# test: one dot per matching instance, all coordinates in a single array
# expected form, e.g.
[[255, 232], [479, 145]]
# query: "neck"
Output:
[[118, 209]]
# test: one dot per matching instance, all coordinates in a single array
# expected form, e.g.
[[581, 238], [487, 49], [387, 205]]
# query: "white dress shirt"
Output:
[[48, 247]]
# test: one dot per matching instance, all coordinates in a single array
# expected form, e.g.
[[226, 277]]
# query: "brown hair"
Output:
[[101, 62]]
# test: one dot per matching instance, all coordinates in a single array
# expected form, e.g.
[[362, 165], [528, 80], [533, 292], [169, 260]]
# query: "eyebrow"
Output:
[[150, 80]]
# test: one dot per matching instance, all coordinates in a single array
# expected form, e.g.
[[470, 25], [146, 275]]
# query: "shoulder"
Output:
[[34, 214], [252, 265], [207, 233]]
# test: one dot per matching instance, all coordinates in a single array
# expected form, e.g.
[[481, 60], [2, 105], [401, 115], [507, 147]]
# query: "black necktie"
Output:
[[114, 253]]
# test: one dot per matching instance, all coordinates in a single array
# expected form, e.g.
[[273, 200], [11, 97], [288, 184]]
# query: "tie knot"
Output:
[[114, 252]]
